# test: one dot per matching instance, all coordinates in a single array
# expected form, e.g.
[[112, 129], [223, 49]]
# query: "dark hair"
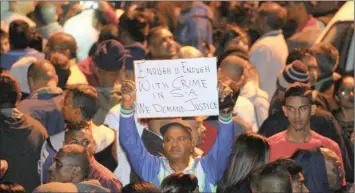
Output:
[[19, 34], [100, 16], [37, 42], [231, 32], [179, 182], [166, 127], [290, 165], [45, 13], [134, 22], [338, 83], [309, 5], [84, 97], [60, 42], [275, 18], [250, 151], [108, 32], [298, 54], [272, 178], [299, 89], [37, 72], [10, 187], [78, 126], [79, 153], [140, 187], [154, 32], [313, 169], [327, 57], [10, 90]]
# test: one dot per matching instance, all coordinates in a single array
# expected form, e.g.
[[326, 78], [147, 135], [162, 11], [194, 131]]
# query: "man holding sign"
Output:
[[178, 146]]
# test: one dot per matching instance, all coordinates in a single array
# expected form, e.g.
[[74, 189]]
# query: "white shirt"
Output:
[[245, 110], [85, 35], [123, 171], [268, 55]]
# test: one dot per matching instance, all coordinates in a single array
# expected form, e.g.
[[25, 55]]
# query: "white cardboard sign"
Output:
[[176, 88]]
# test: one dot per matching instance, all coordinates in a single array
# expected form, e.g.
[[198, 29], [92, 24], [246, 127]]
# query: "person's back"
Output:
[[45, 101], [308, 27], [46, 16], [21, 138], [20, 39], [268, 54], [195, 26]]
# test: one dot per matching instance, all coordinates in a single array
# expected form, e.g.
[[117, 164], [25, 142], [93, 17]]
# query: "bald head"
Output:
[[63, 43], [273, 13], [41, 73], [235, 64], [189, 52]]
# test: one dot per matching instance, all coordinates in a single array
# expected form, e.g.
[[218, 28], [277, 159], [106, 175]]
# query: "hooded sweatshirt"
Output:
[[21, 139]]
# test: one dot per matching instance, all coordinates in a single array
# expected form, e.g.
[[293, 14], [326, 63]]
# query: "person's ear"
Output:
[[284, 109], [313, 109]]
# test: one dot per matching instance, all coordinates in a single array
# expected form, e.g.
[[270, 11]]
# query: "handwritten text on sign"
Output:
[[176, 88]]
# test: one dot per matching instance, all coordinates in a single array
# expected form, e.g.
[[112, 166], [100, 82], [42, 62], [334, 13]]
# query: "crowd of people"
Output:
[[67, 95]]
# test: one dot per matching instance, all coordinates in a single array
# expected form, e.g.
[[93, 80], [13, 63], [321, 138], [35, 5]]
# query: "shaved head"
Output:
[[41, 70], [235, 63], [189, 52]]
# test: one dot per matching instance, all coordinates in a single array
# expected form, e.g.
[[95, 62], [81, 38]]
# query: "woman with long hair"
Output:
[[250, 152]]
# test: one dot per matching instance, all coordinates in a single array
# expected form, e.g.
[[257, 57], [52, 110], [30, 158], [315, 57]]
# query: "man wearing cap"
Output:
[[110, 60], [268, 54], [178, 146], [294, 72]]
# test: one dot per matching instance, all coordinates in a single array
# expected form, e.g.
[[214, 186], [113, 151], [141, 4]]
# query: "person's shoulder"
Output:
[[243, 103], [325, 140], [35, 126], [102, 171]]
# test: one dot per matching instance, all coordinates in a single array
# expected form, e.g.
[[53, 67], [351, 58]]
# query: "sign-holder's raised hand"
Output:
[[128, 89], [226, 99]]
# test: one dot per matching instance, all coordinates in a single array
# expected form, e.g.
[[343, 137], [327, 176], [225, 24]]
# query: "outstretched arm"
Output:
[[144, 164]]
